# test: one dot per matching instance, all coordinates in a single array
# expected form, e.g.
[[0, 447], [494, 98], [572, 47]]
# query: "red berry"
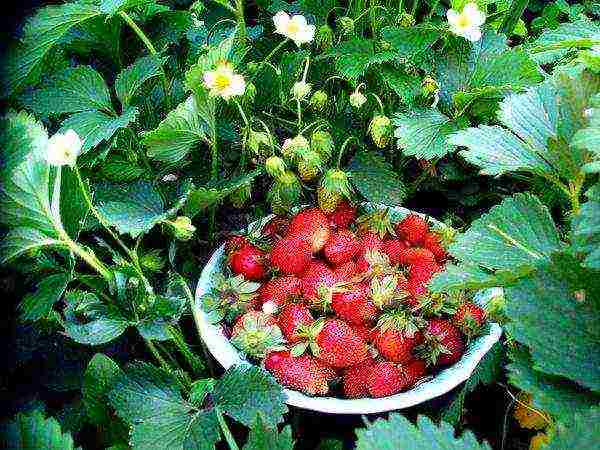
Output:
[[469, 318], [276, 227], [291, 318], [412, 228], [415, 256], [355, 379], [433, 243], [318, 282], [346, 271], [313, 225], [280, 290], [413, 371], [303, 373], [395, 345], [394, 249], [235, 242], [291, 255], [343, 216], [339, 345], [385, 379], [444, 343], [341, 247], [248, 261], [354, 305]]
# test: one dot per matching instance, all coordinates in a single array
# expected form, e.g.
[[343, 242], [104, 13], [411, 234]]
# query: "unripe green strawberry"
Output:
[[322, 143], [429, 87], [324, 37], [328, 201], [309, 164], [318, 101], [258, 140], [357, 99], [182, 228], [240, 196], [405, 20], [292, 146], [301, 90], [380, 130], [334, 186], [275, 166], [152, 261], [285, 192], [257, 334], [346, 25]]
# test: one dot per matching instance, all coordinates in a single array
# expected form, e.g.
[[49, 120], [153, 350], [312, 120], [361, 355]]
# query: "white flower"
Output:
[[63, 149], [270, 307], [301, 89], [357, 99], [295, 27], [467, 23], [224, 82]]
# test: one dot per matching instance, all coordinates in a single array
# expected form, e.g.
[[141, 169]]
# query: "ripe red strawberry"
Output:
[[413, 229], [291, 255], [312, 224], [385, 379], [337, 344], [256, 334], [276, 227], [416, 256], [443, 344], [419, 276], [395, 345], [291, 318], [433, 242], [469, 318], [248, 261], [370, 241], [341, 247], [345, 272], [343, 216], [355, 378], [354, 305], [394, 249], [414, 371], [318, 283], [280, 290], [362, 330], [303, 373]]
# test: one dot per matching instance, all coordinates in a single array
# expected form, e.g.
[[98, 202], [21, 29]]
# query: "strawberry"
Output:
[[469, 318], [291, 254], [235, 243], [341, 247], [416, 256], [291, 318], [414, 371], [362, 330], [276, 227], [354, 305], [385, 379], [433, 242], [257, 334], [395, 345], [370, 241], [304, 373], [419, 276], [312, 224], [345, 272], [280, 290], [412, 228], [354, 381], [343, 216], [443, 343], [394, 249], [318, 284], [248, 261]]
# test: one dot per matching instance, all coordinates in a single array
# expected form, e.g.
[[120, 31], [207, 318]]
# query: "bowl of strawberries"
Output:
[[336, 307]]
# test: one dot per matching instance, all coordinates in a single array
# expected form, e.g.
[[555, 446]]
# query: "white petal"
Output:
[[238, 85], [472, 34], [281, 21], [299, 20], [476, 17], [73, 141], [209, 78], [452, 17]]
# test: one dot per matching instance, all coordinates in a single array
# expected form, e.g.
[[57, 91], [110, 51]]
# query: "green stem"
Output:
[[226, 431], [299, 109], [275, 50], [415, 6], [241, 21], [512, 18], [140, 33], [194, 362], [157, 355], [434, 6], [343, 147], [379, 102], [214, 174], [88, 257]]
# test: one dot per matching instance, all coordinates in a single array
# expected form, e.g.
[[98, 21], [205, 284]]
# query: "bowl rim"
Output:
[[227, 355]]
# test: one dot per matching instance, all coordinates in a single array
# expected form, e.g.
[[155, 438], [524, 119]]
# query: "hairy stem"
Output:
[[226, 431], [241, 21]]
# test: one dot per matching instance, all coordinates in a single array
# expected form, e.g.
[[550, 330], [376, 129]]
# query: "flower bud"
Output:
[[324, 37], [275, 166], [357, 99], [322, 143], [318, 101], [292, 146], [429, 86], [257, 140], [405, 20], [182, 228], [301, 90], [380, 130], [346, 25]]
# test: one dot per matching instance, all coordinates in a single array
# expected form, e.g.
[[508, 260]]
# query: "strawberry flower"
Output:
[[294, 27], [466, 23], [224, 82], [63, 149]]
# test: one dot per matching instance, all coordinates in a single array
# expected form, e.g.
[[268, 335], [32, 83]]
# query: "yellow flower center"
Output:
[[464, 21], [293, 28], [222, 81]]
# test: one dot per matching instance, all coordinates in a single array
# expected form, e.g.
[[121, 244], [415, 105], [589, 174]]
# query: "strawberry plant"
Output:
[[140, 135]]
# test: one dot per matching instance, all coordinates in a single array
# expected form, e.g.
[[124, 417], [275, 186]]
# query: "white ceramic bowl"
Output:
[[227, 355]]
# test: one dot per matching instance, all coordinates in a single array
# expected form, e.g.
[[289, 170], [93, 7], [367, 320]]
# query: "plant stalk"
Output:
[[515, 12], [241, 21], [226, 431]]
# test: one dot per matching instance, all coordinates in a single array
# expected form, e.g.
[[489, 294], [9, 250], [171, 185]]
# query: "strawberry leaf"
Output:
[[375, 179], [38, 304], [130, 80], [425, 435], [98, 380], [263, 437], [577, 432], [408, 42], [34, 431]]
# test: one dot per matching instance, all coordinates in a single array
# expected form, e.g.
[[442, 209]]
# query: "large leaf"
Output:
[[586, 233], [246, 391], [577, 433], [423, 133], [262, 437], [182, 130], [555, 395], [375, 179], [76, 89], [90, 321], [553, 44], [397, 431], [149, 400], [408, 42], [114, 6], [95, 127], [22, 240], [131, 208], [354, 57], [555, 312], [517, 232], [472, 277], [33, 431], [130, 80], [38, 304], [40, 35], [99, 379]]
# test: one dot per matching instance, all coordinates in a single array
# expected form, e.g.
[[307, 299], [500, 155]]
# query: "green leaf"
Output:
[[517, 232], [89, 321], [246, 391], [553, 44], [22, 240], [114, 6], [409, 42], [472, 277], [38, 304], [150, 401], [556, 395], [41, 34], [130, 80], [586, 233], [375, 179], [95, 127], [99, 379], [423, 133], [32, 431], [577, 433], [262, 437], [555, 312], [76, 89], [75, 210], [131, 208], [182, 130], [407, 86], [425, 435], [354, 57], [120, 170]]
